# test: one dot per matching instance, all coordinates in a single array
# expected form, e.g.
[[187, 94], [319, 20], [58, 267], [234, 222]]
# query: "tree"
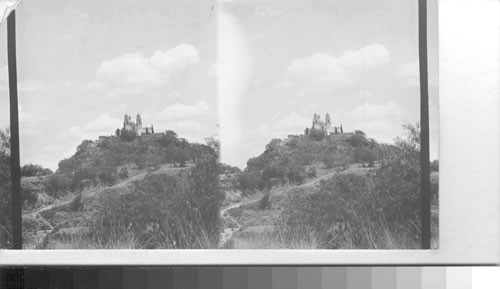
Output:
[[128, 135], [206, 196], [169, 139], [214, 144], [296, 174], [317, 135], [329, 161], [311, 172], [397, 182], [108, 176], [123, 173], [359, 138], [365, 155], [247, 182], [180, 157], [31, 170], [57, 185]]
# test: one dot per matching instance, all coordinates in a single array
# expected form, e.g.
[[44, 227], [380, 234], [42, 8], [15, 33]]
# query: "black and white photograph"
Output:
[[229, 124]]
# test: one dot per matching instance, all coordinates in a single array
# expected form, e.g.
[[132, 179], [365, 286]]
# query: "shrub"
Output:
[[359, 138], [76, 204], [342, 199], [29, 195], [296, 174], [57, 185], [123, 173], [264, 202], [247, 182], [108, 176], [274, 171], [375, 211], [397, 182], [329, 161], [31, 170], [316, 135], [180, 157], [169, 139], [364, 155], [311, 172], [183, 210], [82, 174], [128, 135]]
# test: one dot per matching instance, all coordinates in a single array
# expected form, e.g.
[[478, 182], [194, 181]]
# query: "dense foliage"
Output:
[[170, 211], [358, 209], [106, 161], [290, 161], [32, 170]]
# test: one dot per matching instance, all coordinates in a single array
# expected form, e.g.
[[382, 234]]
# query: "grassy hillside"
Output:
[[298, 158], [153, 191], [358, 195]]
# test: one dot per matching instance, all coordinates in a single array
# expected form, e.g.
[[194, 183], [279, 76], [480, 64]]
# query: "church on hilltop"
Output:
[[136, 127], [324, 126]]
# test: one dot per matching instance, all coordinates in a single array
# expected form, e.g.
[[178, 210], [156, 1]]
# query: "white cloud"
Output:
[[411, 72], [327, 71], [193, 122], [369, 111], [382, 122], [136, 72], [189, 129], [102, 125], [281, 127], [179, 111]]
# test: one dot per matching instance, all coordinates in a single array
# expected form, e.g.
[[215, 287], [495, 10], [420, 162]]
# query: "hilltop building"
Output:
[[324, 126], [131, 126]]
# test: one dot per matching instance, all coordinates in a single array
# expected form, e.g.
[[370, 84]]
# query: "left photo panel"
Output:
[[119, 138]]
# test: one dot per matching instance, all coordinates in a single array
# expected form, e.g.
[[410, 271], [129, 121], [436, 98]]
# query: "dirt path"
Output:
[[227, 233], [317, 180], [85, 194], [94, 191], [41, 235]]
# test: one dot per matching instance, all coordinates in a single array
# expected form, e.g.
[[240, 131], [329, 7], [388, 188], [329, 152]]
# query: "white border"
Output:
[[469, 179]]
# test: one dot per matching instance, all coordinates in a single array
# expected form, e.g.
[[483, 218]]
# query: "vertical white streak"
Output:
[[234, 69]]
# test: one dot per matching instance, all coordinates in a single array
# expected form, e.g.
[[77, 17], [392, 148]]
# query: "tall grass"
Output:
[[348, 212], [121, 236], [366, 235]]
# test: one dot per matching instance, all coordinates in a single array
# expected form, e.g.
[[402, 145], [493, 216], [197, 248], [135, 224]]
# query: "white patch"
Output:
[[102, 125], [234, 69], [179, 111], [379, 121], [323, 70], [134, 72]]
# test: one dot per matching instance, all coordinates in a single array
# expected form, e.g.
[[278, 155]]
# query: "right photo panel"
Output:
[[320, 117]]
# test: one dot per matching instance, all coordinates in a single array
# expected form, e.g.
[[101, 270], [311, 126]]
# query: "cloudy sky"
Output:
[[356, 59], [245, 70], [84, 64]]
